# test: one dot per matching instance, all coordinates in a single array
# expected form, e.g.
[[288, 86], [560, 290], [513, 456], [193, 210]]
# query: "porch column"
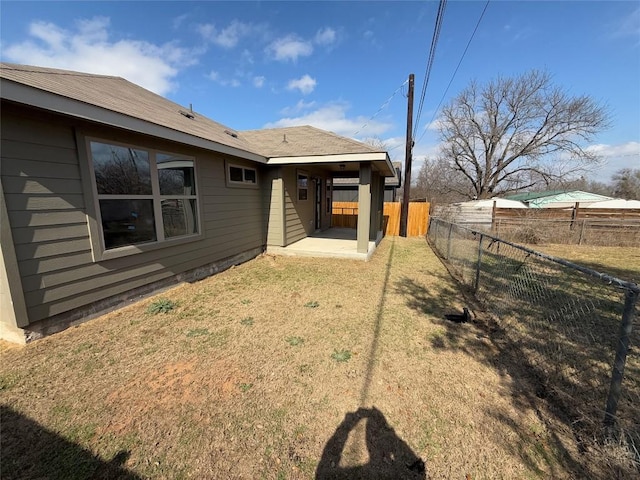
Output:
[[375, 200], [380, 206], [364, 207]]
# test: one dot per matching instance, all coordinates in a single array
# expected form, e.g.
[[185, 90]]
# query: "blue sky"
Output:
[[336, 65]]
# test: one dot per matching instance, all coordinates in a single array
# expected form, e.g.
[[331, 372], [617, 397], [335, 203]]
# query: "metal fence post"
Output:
[[479, 265], [449, 241], [617, 374]]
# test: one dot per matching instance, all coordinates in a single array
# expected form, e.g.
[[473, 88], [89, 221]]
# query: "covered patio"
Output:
[[303, 163], [330, 243]]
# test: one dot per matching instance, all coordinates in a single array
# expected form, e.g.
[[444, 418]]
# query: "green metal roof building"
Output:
[[557, 198]]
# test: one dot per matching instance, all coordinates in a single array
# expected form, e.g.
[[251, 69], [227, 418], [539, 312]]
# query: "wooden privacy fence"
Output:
[[596, 226], [345, 215]]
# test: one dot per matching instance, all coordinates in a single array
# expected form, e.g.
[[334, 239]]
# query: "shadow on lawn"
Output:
[[31, 451], [389, 456], [557, 388]]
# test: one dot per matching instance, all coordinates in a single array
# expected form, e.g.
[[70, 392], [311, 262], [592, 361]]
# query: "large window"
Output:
[[143, 196]]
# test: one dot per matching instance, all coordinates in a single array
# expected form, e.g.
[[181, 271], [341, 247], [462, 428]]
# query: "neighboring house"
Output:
[[474, 213], [557, 198], [617, 203], [110, 191], [346, 189]]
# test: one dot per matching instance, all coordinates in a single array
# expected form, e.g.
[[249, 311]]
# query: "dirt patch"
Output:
[[180, 384]]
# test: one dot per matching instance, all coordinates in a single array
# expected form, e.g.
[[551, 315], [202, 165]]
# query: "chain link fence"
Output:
[[585, 231], [575, 330]]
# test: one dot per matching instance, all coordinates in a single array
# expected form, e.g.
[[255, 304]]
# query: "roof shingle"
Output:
[[121, 96], [303, 141], [118, 95]]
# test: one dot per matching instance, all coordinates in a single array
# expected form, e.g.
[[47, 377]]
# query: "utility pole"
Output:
[[404, 212]]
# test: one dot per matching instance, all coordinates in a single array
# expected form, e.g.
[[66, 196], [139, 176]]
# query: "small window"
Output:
[[249, 175], [143, 196], [235, 174], [303, 186], [242, 175]]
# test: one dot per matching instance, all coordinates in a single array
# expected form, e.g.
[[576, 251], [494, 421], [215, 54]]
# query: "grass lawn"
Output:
[[283, 368], [621, 262]]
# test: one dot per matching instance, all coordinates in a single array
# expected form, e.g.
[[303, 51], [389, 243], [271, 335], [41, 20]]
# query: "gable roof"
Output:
[[117, 102], [303, 141], [558, 198], [308, 145], [114, 94], [526, 196]]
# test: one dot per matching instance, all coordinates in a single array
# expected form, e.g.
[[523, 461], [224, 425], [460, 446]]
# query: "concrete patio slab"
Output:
[[333, 243]]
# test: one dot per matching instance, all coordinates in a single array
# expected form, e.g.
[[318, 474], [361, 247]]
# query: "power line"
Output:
[[432, 53], [382, 107], [456, 70]]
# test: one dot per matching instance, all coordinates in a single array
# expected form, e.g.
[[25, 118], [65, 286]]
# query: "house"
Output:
[[109, 191], [474, 213], [557, 198], [618, 203], [346, 189]]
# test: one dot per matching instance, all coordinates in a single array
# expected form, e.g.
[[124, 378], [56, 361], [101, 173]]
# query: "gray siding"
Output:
[[298, 214], [46, 208], [350, 194], [274, 208]]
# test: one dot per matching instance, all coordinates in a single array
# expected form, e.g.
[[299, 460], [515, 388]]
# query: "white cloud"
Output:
[[258, 82], [178, 21], [333, 117], [247, 57], [435, 125], [305, 84], [395, 146], [629, 26], [421, 150], [228, 37], [297, 108], [206, 30], [289, 48], [626, 149], [326, 36], [614, 158], [48, 33], [215, 76], [89, 49]]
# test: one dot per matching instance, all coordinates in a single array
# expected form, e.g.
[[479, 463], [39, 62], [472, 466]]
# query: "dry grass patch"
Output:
[[622, 262], [240, 380]]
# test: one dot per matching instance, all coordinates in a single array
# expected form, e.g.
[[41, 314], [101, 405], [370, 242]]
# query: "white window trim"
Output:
[[99, 251], [244, 183]]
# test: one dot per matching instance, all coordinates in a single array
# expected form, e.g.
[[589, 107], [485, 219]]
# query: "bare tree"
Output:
[[376, 142], [626, 184], [438, 183], [514, 133], [580, 183]]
